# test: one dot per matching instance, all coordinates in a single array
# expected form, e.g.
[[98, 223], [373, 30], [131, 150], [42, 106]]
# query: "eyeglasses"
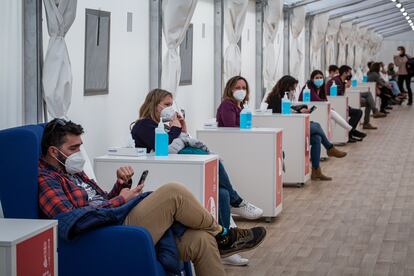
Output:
[[60, 122]]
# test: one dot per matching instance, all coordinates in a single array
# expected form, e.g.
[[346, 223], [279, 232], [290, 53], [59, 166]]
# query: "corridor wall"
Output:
[[106, 118], [11, 65]]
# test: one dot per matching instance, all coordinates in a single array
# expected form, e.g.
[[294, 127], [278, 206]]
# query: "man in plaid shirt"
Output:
[[63, 187]]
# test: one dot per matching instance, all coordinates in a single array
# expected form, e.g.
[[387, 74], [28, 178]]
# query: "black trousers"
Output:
[[385, 95], [354, 116], [407, 80]]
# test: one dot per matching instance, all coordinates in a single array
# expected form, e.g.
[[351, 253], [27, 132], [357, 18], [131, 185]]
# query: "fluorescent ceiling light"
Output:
[[402, 9], [410, 21], [399, 5], [393, 0], [407, 17], [405, 13]]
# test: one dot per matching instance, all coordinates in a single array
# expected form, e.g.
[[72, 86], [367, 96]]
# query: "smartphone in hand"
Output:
[[312, 109], [143, 177]]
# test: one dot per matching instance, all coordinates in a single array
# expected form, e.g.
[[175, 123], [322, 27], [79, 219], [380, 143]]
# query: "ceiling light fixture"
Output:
[[405, 14], [402, 9], [399, 5]]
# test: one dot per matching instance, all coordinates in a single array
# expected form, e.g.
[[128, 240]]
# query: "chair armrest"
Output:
[[112, 250]]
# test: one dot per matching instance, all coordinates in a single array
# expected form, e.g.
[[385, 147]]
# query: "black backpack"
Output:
[[410, 67]]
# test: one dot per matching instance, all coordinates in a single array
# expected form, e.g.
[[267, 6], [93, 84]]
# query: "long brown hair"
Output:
[[228, 90], [148, 109], [285, 84]]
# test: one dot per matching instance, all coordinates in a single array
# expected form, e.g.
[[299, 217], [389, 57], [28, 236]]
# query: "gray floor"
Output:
[[361, 223]]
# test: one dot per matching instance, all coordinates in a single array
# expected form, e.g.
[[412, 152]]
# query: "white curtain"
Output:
[[273, 18], [11, 63], [366, 50], [371, 45], [297, 44], [344, 32], [331, 41], [176, 17], [377, 44], [319, 27], [57, 73], [234, 18], [359, 47], [352, 39]]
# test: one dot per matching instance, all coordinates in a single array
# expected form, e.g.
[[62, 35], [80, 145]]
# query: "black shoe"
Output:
[[238, 240], [385, 111], [410, 103], [388, 107], [357, 133], [351, 140], [357, 139]]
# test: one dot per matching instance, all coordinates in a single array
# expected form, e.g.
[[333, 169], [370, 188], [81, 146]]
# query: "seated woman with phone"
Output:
[[316, 85], [159, 105], [318, 137]]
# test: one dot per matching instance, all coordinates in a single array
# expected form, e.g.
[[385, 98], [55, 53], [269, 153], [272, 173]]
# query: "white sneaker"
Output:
[[235, 260], [247, 210]]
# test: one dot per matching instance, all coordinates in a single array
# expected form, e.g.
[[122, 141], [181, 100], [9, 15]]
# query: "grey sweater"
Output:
[[375, 77]]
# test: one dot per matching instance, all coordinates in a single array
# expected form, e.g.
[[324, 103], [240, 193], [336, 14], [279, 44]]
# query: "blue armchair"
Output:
[[111, 250]]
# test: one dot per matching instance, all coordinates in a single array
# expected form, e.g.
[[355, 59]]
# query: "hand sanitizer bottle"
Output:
[[306, 95], [286, 104], [354, 82], [246, 118], [333, 91], [161, 140]]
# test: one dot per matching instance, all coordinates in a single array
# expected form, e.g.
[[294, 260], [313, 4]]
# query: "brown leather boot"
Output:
[[318, 175], [336, 153], [379, 115], [369, 126]]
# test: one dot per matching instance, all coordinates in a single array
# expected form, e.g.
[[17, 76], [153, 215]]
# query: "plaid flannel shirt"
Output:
[[58, 193]]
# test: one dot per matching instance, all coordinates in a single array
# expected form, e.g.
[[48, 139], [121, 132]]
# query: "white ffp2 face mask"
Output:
[[167, 113], [239, 95], [74, 163]]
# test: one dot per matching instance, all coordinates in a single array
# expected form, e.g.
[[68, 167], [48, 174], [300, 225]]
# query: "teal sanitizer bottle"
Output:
[[246, 118], [161, 140]]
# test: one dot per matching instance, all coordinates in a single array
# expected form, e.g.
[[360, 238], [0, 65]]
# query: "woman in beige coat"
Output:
[[401, 60]]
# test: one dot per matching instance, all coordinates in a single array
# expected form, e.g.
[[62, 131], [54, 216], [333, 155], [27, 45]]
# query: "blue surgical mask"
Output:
[[318, 82]]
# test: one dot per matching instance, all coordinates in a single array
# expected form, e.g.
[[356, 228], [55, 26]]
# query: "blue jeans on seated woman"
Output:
[[317, 138], [227, 195], [394, 88]]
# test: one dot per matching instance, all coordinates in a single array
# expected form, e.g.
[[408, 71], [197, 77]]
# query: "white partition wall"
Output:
[[11, 65], [106, 118]]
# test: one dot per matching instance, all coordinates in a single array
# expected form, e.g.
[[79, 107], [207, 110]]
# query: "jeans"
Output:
[[224, 208], [395, 89], [317, 138], [369, 103], [407, 80], [224, 183], [227, 197]]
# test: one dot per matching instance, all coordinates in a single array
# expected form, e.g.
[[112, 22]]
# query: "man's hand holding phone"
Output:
[[129, 194]]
